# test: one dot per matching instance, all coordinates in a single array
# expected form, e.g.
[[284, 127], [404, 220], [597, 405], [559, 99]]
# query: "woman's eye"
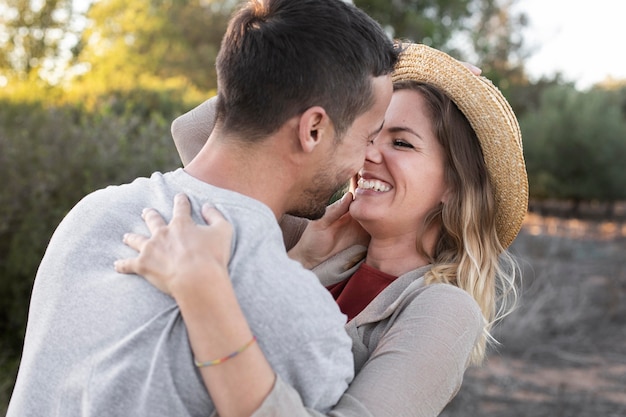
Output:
[[402, 144]]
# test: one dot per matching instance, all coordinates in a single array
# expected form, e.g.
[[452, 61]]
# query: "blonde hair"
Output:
[[467, 252]]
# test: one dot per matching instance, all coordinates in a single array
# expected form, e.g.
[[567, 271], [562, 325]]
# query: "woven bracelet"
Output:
[[225, 358]]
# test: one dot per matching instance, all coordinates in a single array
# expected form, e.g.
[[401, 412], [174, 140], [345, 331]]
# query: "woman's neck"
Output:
[[394, 256]]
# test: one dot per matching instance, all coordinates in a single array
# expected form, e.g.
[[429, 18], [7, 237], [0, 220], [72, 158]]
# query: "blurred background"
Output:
[[88, 91]]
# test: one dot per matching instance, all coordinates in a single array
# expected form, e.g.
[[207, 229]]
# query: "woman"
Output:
[[442, 194]]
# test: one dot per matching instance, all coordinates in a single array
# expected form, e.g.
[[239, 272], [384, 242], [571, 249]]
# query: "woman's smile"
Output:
[[372, 184]]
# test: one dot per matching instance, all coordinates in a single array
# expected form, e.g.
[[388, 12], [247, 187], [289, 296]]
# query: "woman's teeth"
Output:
[[375, 185]]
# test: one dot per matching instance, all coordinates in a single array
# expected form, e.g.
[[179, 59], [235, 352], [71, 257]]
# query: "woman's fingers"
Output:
[[134, 240], [220, 231], [125, 266], [211, 214], [337, 209], [182, 207], [473, 68], [131, 265], [153, 219], [173, 249]]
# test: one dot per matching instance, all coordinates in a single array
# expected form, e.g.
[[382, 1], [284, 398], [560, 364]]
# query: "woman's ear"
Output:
[[314, 126]]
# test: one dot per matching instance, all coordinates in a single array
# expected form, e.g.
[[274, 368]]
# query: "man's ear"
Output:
[[314, 126]]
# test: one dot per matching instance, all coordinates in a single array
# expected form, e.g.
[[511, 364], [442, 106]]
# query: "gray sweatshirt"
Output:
[[102, 344]]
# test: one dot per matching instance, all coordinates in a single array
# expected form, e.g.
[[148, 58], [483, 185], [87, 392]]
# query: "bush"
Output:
[[50, 157], [575, 145]]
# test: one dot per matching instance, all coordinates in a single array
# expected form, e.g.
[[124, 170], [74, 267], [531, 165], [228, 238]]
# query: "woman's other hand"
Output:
[[331, 234], [180, 250], [473, 68], [189, 261]]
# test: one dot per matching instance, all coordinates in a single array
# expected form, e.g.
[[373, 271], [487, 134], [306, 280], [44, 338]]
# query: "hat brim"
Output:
[[491, 117]]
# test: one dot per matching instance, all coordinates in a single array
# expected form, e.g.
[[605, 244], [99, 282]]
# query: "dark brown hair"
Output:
[[281, 57]]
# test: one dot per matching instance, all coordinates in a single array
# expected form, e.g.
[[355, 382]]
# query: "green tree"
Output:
[[429, 21], [575, 145], [525, 97], [180, 38], [452, 25], [486, 33], [158, 38], [496, 36], [32, 34]]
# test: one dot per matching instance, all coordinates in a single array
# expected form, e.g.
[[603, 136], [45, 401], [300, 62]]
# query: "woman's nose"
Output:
[[372, 152]]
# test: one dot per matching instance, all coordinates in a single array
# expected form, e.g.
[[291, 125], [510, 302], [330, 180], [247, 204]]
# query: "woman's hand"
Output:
[[473, 68], [190, 262], [331, 234], [178, 251]]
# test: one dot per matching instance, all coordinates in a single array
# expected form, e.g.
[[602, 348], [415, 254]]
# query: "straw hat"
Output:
[[491, 117]]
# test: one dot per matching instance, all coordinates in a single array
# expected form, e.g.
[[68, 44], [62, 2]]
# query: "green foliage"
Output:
[[526, 97], [34, 33], [429, 21], [164, 39], [496, 39], [575, 145], [486, 33]]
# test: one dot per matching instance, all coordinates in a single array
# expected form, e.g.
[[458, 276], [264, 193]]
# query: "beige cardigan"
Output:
[[411, 347], [411, 344]]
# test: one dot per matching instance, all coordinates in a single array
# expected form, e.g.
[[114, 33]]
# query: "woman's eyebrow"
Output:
[[396, 129]]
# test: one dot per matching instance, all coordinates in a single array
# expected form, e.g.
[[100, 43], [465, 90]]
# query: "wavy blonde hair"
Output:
[[467, 252]]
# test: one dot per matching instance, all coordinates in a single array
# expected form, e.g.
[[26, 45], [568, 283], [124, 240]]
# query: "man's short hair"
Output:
[[280, 57]]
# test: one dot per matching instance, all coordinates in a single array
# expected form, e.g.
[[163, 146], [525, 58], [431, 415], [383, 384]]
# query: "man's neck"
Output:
[[254, 170]]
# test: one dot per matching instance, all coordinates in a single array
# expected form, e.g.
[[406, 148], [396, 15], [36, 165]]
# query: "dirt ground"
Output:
[[563, 351]]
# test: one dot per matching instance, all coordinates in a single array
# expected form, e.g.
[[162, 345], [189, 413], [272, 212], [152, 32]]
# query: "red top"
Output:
[[356, 292]]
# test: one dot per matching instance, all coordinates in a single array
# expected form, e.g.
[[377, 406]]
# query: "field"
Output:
[[563, 351]]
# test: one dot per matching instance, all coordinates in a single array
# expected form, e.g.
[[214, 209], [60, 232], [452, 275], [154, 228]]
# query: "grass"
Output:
[[563, 351]]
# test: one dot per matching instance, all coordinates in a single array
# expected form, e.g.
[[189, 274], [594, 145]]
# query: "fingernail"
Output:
[[475, 69]]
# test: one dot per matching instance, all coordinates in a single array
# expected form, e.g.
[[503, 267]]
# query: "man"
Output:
[[303, 86]]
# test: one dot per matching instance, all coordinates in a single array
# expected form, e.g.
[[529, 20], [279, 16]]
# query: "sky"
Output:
[[583, 39]]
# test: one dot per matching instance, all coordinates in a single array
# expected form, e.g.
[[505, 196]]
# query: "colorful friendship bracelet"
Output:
[[225, 358]]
